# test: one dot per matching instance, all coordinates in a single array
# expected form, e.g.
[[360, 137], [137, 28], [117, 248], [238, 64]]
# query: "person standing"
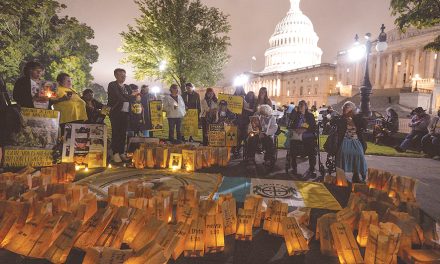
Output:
[[263, 97], [68, 102], [208, 107], [419, 128], [431, 142], [118, 101], [145, 100], [192, 100], [351, 148], [174, 106], [28, 86]]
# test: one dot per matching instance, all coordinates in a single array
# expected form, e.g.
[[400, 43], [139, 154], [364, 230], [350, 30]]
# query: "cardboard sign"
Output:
[[156, 115], [216, 135], [231, 136], [85, 145], [235, 103], [190, 124], [40, 129], [28, 157]]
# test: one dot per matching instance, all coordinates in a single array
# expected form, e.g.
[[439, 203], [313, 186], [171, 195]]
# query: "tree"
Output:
[[417, 13], [33, 30], [190, 37], [72, 66], [99, 92]]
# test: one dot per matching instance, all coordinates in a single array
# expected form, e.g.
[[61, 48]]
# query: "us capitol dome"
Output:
[[294, 44]]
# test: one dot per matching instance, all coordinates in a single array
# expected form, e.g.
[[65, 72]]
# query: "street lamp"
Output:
[[155, 90], [416, 79], [241, 80], [366, 87]]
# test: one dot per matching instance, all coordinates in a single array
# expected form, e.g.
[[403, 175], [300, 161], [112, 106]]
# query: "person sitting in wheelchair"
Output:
[[302, 131], [261, 130], [223, 115]]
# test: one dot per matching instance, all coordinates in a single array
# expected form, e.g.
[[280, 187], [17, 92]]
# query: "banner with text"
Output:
[[28, 157], [235, 103]]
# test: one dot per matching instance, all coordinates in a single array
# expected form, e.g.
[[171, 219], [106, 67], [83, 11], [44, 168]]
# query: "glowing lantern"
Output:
[[161, 206], [245, 221], [294, 238], [360, 188], [161, 157], [345, 244], [137, 221], [324, 234], [189, 160], [404, 188], [278, 213], [208, 207], [93, 228], [195, 241], [149, 158], [255, 203], [341, 179], [348, 216], [367, 218], [147, 234], [229, 213], [187, 195], [383, 244], [214, 234], [60, 248], [373, 178]]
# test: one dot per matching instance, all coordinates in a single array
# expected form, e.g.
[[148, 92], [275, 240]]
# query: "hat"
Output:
[[419, 110], [189, 85]]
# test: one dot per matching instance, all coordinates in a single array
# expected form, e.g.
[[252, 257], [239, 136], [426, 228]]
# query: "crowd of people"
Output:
[[128, 109]]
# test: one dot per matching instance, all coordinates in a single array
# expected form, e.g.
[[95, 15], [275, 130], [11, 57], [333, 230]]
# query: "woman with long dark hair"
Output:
[[28, 86], [263, 97], [209, 105], [351, 149]]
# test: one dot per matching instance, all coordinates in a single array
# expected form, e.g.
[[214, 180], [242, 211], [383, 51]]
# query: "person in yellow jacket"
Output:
[[68, 102]]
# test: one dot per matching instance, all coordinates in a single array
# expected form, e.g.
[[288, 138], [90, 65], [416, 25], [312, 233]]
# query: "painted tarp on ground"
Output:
[[294, 193], [207, 184]]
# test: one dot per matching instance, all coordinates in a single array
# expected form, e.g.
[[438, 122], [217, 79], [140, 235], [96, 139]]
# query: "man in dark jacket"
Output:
[[303, 125], [93, 108], [419, 128], [28, 86], [191, 99], [118, 101]]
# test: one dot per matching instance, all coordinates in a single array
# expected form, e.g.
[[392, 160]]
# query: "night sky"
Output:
[[253, 22]]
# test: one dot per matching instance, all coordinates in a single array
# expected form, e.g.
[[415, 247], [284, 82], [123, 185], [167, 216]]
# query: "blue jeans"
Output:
[[431, 145], [411, 137], [174, 124]]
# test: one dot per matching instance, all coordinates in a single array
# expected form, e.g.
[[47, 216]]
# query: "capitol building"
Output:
[[293, 70]]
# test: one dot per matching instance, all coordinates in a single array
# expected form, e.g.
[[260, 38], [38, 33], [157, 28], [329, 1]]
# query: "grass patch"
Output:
[[372, 149]]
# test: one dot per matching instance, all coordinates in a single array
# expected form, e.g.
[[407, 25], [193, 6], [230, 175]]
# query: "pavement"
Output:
[[426, 171]]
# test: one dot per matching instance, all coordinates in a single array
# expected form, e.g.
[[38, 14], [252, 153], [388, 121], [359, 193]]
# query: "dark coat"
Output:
[[117, 96], [192, 101], [310, 119], [146, 98], [360, 124], [22, 92]]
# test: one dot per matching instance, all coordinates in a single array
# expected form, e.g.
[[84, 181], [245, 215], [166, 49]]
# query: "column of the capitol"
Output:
[[389, 80], [402, 72], [378, 68]]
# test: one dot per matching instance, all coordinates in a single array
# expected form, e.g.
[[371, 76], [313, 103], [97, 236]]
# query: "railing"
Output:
[[403, 125], [427, 84]]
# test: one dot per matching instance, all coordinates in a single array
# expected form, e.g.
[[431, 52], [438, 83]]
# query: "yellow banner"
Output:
[[231, 136], [235, 103], [216, 135], [316, 195], [156, 115], [28, 157], [190, 126], [42, 113]]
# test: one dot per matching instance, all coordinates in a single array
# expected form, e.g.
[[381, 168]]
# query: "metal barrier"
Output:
[[403, 125]]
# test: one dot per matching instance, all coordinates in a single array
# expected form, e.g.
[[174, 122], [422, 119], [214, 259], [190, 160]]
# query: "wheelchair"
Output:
[[260, 148], [300, 151]]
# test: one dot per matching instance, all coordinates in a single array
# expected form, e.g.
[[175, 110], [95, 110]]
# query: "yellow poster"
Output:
[[28, 157], [156, 115], [231, 136], [163, 133], [235, 103], [216, 135], [190, 125]]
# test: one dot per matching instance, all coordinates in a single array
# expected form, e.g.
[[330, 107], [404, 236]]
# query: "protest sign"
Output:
[[231, 136], [235, 103], [156, 115], [216, 135], [28, 157], [190, 126]]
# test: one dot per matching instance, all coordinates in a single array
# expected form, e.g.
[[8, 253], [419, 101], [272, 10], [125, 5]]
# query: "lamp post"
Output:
[[416, 78], [366, 87]]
